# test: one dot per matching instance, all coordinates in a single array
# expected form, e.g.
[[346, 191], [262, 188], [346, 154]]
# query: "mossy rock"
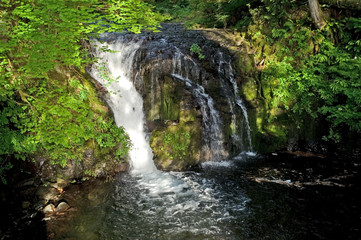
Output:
[[177, 147], [170, 100]]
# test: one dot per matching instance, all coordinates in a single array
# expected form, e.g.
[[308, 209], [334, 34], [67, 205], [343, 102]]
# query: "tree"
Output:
[[316, 14]]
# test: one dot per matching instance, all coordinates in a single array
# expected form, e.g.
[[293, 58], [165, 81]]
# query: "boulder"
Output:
[[50, 208], [62, 207]]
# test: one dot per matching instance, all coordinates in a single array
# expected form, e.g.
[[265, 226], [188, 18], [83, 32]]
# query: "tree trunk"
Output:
[[348, 4], [316, 13]]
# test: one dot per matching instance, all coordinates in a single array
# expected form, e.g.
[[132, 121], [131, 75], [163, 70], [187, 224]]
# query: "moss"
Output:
[[152, 99], [187, 115], [245, 63], [170, 103], [95, 103], [89, 155], [176, 147], [250, 90], [232, 128]]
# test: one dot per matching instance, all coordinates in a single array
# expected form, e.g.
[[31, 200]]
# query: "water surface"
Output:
[[249, 197]]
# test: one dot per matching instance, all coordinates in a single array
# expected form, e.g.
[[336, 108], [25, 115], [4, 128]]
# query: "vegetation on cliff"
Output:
[[300, 61], [302, 70], [47, 104]]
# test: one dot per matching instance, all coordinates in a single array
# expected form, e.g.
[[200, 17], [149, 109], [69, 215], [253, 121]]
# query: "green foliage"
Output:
[[210, 13], [175, 10], [14, 122], [177, 144], [195, 48], [56, 114], [351, 37], [42, 34], [217, 13], [64, 122], [304, 72], [327, 83]]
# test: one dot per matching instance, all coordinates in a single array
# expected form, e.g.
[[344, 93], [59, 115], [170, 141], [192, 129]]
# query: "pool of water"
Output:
[[248, 197]]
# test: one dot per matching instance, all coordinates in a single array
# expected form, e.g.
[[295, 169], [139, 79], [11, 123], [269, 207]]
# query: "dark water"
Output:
[[250, 197]]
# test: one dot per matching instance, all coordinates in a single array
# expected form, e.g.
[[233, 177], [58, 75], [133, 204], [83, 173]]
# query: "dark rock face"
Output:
[[190, 102], [89, 166]]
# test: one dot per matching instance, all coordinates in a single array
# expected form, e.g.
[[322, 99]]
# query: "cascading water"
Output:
[[172, 195], [124, 100], [211, 121], [183, 69], [223, 200], [225, 70], [127, 106], [236, 135]]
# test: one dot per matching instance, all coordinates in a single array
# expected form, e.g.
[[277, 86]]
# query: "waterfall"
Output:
[[139, 65], [225, 70], [210, 118], [124, 100], [230, 100], [211, 121]]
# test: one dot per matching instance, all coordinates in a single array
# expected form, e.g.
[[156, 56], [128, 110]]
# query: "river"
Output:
[[248, 197]]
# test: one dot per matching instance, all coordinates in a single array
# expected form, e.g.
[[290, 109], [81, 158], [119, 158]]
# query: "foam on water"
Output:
[[225, 164], [180, 202], [124, 100]]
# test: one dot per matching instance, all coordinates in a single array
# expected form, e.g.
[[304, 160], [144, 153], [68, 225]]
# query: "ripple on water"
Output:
[[166, 205]]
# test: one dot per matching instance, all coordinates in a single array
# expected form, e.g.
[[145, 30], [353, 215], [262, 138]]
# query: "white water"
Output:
[[127, 104], [236, 134], [238, 100], [211, 121], [210, 117], [178, 193], [186, 202]]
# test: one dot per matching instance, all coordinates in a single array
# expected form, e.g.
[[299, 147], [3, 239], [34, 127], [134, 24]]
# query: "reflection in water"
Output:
[[221, 202]]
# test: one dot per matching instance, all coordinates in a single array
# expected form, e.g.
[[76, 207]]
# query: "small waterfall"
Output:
[[133, 57], [225, 69], [211, 120], [230, 100], [127, 104]]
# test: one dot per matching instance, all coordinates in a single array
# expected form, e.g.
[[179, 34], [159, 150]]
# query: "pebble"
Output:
[[49, 208], [63, 206]]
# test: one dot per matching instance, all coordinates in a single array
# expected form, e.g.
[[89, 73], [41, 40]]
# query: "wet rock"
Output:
[[164, 67], [122, 167], [62, 207], [26, 183], [25, 204], [47, 193], [50, 208], [60, 185], [62, 182]]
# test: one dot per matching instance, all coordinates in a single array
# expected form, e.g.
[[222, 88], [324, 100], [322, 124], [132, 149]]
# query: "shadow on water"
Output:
[[275, 197], [19, 215], [305, 198]]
